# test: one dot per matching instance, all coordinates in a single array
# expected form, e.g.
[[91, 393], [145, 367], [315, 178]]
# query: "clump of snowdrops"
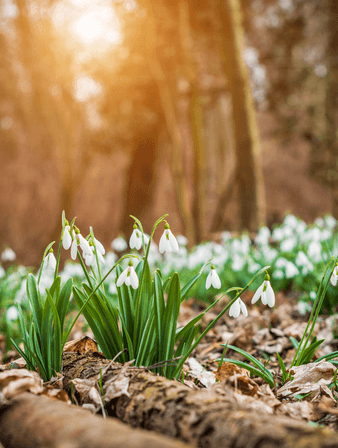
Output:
[[305, 349], [142, 326]]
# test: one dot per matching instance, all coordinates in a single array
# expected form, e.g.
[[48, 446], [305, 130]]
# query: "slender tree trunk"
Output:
[[331, 100], [169, 112], [227, 16], [196, 122]]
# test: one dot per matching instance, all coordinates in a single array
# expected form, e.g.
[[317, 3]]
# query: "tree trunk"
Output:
[[227, 16], [331, 101], [204, 418], [32, 421], [169, 112]]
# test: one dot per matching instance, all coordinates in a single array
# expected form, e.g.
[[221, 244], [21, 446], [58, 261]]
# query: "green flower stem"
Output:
[[319, 298], [84, 269], [318, 308], [94, 291], [182, 361], [59, 255]]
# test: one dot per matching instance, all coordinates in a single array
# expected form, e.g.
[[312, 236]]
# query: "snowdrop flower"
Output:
[[213, 279], [50, 260], [135, 241], [67, 238], [314, 251], [237, 307], [265, 292], [119, 244], [128, 277], [12, 313], [168, 243], [291, 270], [8, 255], [84, 244], [334, 276], [330, 221], [182, 240], [288, 244], [290, 221], [99, 247], [319, 222]]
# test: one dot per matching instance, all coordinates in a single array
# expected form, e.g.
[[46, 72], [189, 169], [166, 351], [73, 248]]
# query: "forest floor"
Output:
[[265, 332]]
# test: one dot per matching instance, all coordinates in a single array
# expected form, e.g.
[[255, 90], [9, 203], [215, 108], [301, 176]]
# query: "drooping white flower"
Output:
[[67, 239], [168, 242], [135, 241], [334, 276], [84, 244], [128, 277], [237, 307], [8, 255], [50, 261], [213, 279], [265, 292], [99, 246]]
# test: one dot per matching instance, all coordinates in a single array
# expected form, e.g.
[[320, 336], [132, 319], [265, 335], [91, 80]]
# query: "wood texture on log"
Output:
[[33, 421], [205, 418]]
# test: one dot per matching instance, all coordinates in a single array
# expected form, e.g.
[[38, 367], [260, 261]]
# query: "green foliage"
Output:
[[42, 338]]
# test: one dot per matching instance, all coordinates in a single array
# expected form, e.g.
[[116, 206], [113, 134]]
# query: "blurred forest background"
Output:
[[220, 112]]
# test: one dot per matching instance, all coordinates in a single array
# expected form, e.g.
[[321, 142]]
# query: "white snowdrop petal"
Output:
[[215, 280], [264, 298], [73, 250], [243, 308], [257, 294], [100, 257], [162, 244], [173, 242], [67, 239], [208, 282], [99, 246], [235, 309], [134, 279], [122, 278], [270, 295]]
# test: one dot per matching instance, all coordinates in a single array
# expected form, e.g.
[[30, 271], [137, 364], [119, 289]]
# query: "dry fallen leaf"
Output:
[[198, 371], [16, 381], [237, 377], [81, 345], [308, 378]]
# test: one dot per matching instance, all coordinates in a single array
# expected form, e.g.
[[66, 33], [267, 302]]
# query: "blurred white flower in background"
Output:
[[2, 272], [288, 245], [12, 313], [314, 251], [263, 236], [8, 255], [330, 222], [119, 244]]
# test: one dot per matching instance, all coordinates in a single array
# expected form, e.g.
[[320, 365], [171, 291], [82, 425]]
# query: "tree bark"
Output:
[[331, 101], [227, 17], [32, 421], [203, 418]]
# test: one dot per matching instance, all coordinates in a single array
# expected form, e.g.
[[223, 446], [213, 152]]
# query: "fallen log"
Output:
[[33, 421], [204, 418]]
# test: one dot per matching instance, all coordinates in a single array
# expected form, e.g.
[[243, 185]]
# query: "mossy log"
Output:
[[33, 421], [202, 418]]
